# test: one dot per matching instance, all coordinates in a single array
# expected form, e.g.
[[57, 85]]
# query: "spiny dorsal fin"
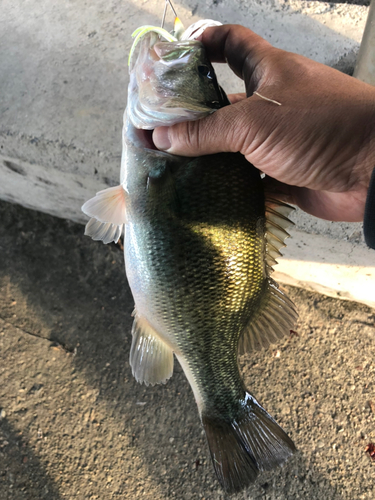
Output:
[[150, 358], [108, 214], [276, 223], [274, 318]]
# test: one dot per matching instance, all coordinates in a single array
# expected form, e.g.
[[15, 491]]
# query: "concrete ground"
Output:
[[73, 422]]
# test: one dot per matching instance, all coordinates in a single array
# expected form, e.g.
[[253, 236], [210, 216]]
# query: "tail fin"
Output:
[[246, 445]]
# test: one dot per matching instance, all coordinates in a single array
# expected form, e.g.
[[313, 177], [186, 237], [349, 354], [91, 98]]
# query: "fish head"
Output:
[[170, 82]]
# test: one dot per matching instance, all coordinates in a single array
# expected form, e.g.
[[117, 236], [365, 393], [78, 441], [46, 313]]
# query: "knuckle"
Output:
[[237, 130], [185, 136], [193, 135]]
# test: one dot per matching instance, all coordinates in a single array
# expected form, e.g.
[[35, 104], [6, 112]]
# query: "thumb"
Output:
[[226, 130]]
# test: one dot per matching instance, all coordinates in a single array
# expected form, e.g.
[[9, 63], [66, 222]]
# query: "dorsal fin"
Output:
[[276, 313], [276, 224], [275, 317]]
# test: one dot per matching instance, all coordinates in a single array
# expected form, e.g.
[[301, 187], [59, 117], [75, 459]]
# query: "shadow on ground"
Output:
[[22, 476], [66, 310]]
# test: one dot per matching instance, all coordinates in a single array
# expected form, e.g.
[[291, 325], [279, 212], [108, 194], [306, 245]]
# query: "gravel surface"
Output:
[[74, 423]]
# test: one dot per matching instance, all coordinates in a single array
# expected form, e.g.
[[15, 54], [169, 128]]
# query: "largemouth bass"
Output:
[[200, 241]]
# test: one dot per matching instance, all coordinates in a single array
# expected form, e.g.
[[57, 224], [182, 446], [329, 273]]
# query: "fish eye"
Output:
[[204, 71]]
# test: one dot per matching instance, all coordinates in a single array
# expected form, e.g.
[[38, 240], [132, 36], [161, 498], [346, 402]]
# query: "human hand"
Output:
[[317, 149]]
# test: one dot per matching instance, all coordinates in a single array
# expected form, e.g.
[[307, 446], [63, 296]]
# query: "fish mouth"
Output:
[[145, 138]]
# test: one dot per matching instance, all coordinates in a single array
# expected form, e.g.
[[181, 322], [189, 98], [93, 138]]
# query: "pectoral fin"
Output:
[[150, 358], [108, 214]]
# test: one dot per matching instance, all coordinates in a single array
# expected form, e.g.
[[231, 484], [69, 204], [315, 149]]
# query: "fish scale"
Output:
[[205, 297], [200, 241]]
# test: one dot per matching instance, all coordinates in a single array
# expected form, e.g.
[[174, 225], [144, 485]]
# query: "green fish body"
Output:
[[200, 240]]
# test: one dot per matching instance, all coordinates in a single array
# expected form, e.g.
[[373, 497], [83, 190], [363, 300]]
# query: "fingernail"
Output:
[[161, 138]]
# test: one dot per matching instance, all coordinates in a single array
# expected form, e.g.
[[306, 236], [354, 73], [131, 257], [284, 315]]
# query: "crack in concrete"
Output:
[[53, 342]]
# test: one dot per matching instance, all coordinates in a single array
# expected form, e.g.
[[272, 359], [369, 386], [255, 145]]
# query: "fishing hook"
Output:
[[167, 2]]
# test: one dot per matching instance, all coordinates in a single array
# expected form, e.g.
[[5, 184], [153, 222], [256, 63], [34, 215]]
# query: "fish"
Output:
[[200, 240]]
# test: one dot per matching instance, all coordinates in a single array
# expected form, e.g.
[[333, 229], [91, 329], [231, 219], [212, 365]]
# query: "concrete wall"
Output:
[[63, 87]]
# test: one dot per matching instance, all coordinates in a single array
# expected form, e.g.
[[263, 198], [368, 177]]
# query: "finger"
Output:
[[236, 45], [226, 130], [233, 98], [278, 190], [346, 206]]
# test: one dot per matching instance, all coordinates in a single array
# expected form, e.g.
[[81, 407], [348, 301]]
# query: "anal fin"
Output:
[[150, 358]]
